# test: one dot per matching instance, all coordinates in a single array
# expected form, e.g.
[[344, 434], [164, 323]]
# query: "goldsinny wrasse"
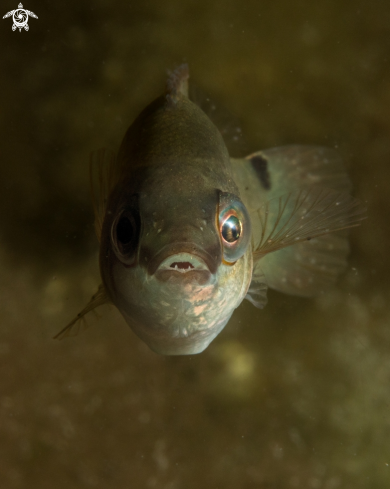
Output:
[[187, 232]]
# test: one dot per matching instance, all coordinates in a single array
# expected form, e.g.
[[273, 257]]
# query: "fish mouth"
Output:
[[183, 258], [183, 263], [183, 268]]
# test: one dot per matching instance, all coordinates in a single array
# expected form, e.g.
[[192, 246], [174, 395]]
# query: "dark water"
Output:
[[294, 396]]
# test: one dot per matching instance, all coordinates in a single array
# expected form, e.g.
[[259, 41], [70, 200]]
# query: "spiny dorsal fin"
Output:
[[177, 84], [105, 172], [73, 327]]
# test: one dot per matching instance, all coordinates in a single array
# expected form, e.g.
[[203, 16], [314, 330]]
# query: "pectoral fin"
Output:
[[257, 292], [307, 268], [294, 246], [302, 215], [73, 327], [267, 174]]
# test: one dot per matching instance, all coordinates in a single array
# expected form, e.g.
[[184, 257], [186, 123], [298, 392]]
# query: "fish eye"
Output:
[[124, 230], [234, 227], [231, 229], [124, 235]]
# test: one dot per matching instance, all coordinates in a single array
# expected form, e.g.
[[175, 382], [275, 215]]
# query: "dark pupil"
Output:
[[231, 229], [124, 230]]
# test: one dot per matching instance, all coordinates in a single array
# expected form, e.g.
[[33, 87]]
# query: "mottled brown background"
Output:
[[294, 396]]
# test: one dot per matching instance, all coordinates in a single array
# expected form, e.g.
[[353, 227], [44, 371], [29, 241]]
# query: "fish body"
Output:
[[186, 232]]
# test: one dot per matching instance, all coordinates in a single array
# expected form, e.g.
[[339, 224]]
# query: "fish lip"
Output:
[[195, 263], [179, 252], [184, 269]]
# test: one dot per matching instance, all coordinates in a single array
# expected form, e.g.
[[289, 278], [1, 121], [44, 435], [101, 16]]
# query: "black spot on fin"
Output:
[[260, 165], [177, 84]]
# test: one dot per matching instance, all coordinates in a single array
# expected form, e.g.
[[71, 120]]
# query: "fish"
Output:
[[187, 232]]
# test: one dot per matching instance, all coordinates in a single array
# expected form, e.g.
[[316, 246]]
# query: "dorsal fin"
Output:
[[105, 172], [177, 83]]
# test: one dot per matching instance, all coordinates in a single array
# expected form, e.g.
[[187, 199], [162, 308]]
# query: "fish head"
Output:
[[175, 259]]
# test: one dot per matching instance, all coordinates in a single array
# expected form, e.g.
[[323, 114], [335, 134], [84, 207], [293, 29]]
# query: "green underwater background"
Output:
[[294, 396]]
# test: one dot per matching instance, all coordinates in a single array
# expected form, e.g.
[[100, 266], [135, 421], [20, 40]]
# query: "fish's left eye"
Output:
[[234, 227], [231, 229]]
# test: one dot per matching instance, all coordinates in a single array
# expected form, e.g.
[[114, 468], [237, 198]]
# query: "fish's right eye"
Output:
[[124, 235], [124, 230]]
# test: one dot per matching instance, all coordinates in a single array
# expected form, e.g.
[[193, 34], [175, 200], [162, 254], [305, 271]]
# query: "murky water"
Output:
[[294, 396]]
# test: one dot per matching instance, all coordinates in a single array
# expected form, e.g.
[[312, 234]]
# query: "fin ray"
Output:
[[307, 268], [72, 329], [302, 215], [267, 174], [257, 292]]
